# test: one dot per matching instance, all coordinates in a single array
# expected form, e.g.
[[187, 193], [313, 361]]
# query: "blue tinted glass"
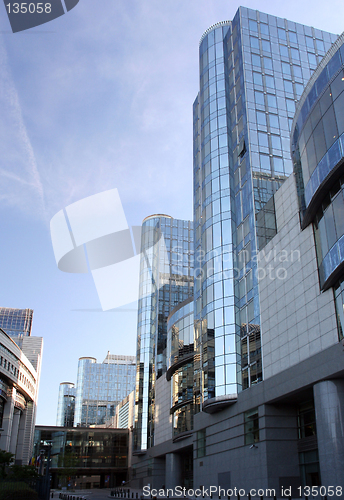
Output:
[[286, 68], [334, 64], [278, 164], [254, 42], [255, 60], [259, 97], [284, 51], [288, 86], [272, 101], [312, 96], [295, 54], [322, 81], [261, 118], [334, 154], [266, 46], [323, 168], [270, 82], [264, 29], [341, 248], [292, 37], [267, 63], [334, 257], [274, 121], [282, 34], [264, 162], [312, 59], [315, 180]]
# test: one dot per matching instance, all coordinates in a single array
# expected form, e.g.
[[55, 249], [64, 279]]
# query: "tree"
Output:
[[67, 464], [6, 458]]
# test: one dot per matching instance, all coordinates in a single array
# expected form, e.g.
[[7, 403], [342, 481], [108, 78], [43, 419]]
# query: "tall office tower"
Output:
[[66, 405], [19, 381], [101, 386], [21, 417], [262, 369], [166, 280], [252, 72], [16, 322]]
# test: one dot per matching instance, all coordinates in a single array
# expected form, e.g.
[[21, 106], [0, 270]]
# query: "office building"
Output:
[[85, 458], [166, 279], [19, 381], [253, 392], [66, 405], [16, 322], [99, 389]]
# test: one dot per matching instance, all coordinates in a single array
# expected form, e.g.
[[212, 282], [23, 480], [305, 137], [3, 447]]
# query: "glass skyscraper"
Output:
[[252, 72], [66, 405], [166, 279], [100, 387], [254, 360], [16, 322]]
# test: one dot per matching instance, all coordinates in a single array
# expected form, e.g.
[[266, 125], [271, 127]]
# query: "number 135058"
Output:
[[31, 8]]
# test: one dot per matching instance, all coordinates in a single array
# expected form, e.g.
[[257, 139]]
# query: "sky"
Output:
[[97, 99]]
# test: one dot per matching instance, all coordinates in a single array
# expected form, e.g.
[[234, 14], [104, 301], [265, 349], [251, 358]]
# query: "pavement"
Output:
[[93, 494]]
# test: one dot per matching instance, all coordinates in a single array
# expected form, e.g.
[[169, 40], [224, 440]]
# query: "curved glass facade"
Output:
[[166, 279], [65, 405], [318, 151], [183, 368], [252, 72]]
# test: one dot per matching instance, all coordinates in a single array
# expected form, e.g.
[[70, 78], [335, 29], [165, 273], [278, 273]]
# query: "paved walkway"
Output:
[[93, 494]]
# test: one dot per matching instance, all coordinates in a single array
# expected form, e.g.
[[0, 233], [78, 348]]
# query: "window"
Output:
[[306, 420], [251, 420], [201, 443], [259, 97], [255, 60], [257, 78]]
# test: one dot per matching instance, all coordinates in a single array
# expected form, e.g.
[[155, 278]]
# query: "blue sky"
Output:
[[99, 98]]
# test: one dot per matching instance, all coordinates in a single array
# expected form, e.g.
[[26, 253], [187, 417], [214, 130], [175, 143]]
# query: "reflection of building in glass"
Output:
[[166, 279], [19, 381], [262, 370], [96, 458], [183, 367], [66, 405], [252, 71], [99, 389], [16, 322]]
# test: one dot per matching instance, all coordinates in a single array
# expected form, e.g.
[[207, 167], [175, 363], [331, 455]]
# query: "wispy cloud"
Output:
[[21, 184]]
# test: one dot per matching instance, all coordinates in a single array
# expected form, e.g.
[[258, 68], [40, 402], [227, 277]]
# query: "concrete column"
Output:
[[14, 433], [7, 420], [329, 411], [20, 439], [173, 470]]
